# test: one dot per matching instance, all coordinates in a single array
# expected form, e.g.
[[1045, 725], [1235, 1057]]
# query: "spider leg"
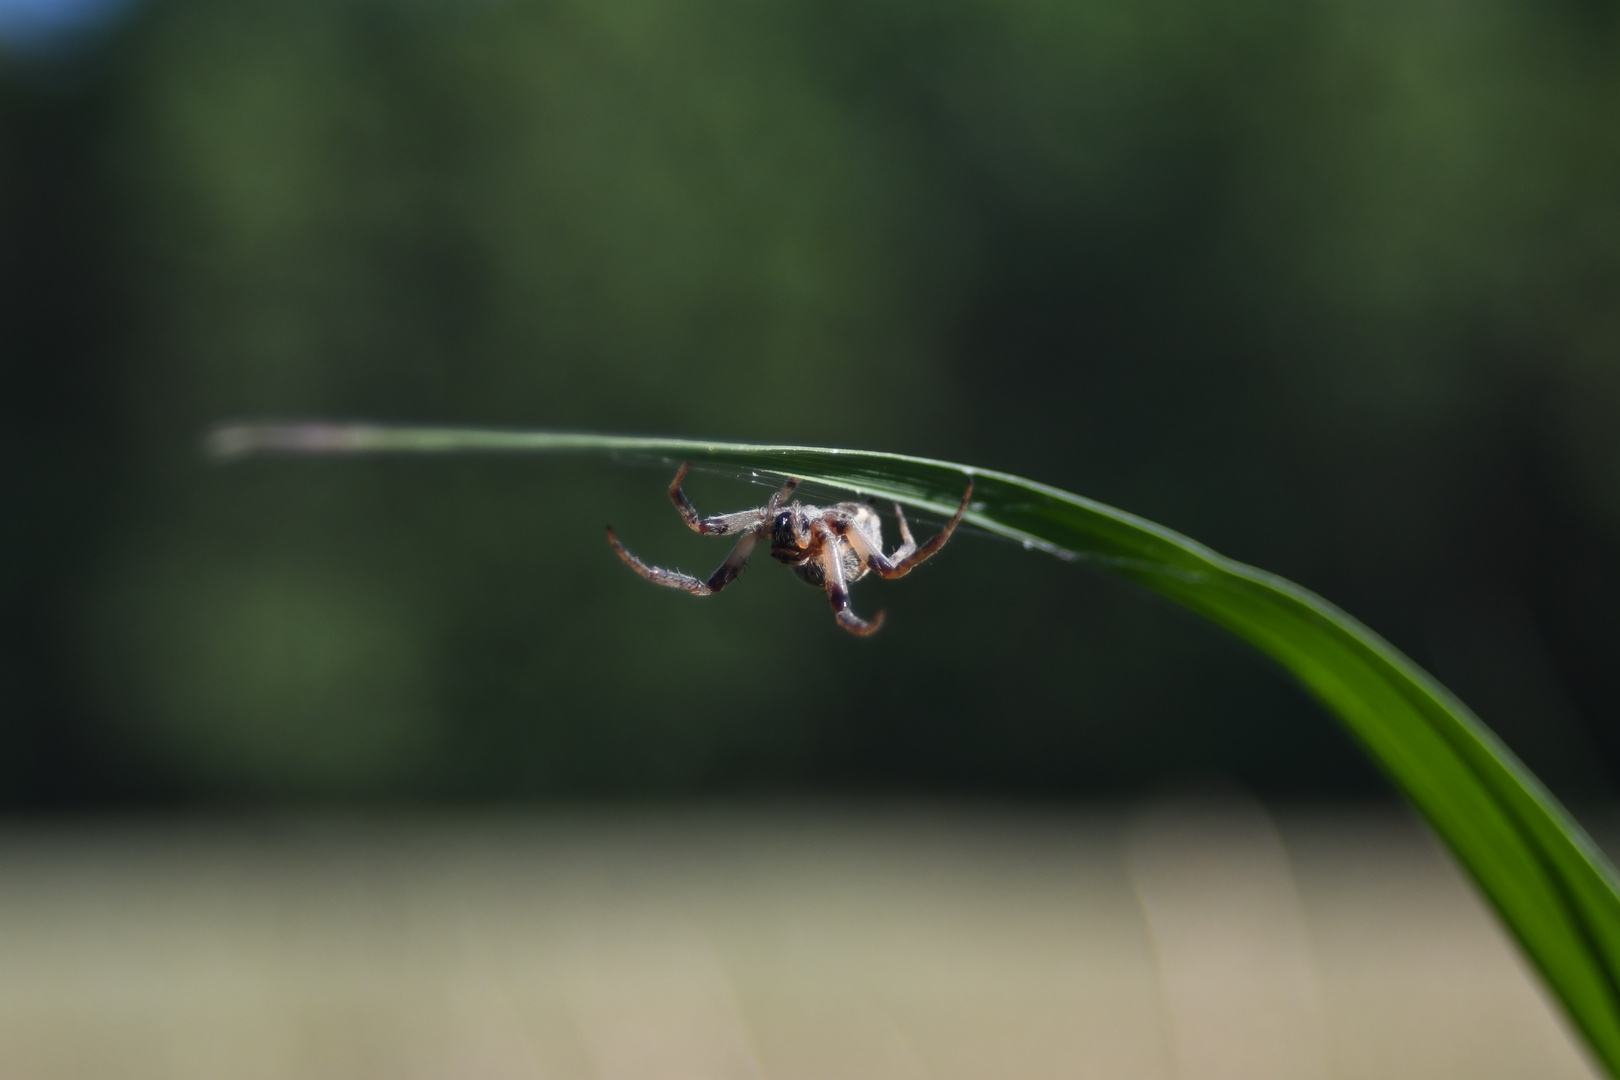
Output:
[[907, 543], [832, 566], [676, 580], [781, 496], [908, 555], [724, 524]]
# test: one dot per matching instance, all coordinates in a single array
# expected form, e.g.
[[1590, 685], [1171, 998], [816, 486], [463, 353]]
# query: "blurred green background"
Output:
[[1332, 286]]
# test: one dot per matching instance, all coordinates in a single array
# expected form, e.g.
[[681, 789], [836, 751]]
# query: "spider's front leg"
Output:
[[725, 524], [908, 555], [832, 568], [676, 580]]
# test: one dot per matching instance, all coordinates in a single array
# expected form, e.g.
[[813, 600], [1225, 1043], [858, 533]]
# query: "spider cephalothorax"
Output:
[[827, 546]]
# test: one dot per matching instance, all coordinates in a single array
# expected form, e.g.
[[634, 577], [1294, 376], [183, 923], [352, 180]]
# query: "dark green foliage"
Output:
[[1327, 284]]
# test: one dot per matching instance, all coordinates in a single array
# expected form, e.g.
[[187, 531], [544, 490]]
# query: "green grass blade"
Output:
[[1546, 879]]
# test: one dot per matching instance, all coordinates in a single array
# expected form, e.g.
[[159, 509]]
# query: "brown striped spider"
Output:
[[827, 546]]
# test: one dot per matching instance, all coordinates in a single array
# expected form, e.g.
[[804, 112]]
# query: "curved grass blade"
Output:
[[1545, 878]]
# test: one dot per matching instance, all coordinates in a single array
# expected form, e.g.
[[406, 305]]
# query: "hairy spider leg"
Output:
[[676, 580], [781, 497], [725, 524], [908, 543], [908, 556], [832, 568]]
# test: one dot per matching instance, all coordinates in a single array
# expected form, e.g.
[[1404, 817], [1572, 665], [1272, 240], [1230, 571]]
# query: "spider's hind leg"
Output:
[[832, 568], [908, 543], [908, 555], [674, 579]]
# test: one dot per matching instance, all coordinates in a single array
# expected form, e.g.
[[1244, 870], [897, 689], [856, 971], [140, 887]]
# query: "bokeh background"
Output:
[[1329, 285]]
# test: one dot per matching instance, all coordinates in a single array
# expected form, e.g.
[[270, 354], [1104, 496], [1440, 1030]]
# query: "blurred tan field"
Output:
[[1171, 941]]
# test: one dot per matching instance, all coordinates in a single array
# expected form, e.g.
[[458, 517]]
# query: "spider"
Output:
[[827, 546]]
